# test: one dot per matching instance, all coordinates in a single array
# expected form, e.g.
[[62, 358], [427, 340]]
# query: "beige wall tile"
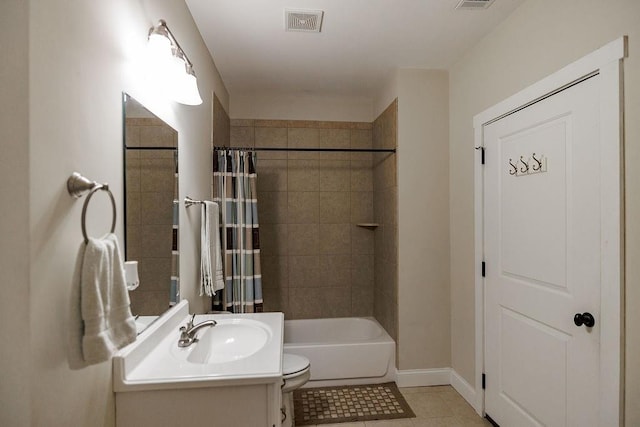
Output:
[[272, 207], [156, 136], [335, 239], [362, 240], [390, 205], [271, 137], [276, 299], [361, 138], [362, 270], [272, 174], [335, 270], [334, 175], [303, 207], [221, 124], [334, 138], [274, 239], [155, 241], [303, 138], [133, 208], [335, 207], [275, 271], [242, 122], [241, 136], [304, 239], [312, 303], [361, 301], [155, 154], [157, 175], [361, 177], [389, 172], [132, 135], [149, 303], [361, 206], [378, 207], [156, 208], [302, 124], [155, 275], [304, 271], [132, 243], [271, 123], [303, 175]]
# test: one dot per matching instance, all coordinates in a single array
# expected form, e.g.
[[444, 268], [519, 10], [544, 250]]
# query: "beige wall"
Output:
[[14, 210], [316, 262], [539, 38], [423, 219], [81, 56], [302, 106]]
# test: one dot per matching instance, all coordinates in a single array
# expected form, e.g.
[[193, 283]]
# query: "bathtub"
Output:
[[349, 350]]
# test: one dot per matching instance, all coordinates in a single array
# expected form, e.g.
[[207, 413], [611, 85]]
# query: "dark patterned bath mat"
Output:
[[344, 404]]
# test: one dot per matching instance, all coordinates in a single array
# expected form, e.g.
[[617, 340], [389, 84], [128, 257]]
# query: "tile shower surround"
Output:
[[385, 196], [150, 191], [316, 261]]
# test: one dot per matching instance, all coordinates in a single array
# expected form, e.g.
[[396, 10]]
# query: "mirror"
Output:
[[151, 209]]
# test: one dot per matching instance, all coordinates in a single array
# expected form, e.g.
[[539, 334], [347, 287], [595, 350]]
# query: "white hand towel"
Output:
[[108, 323], [212, 278]]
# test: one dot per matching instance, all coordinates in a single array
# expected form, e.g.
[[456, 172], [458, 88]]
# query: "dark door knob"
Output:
[[585, 319]]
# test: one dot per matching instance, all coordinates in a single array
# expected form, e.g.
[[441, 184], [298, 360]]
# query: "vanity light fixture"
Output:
[[171, 67]]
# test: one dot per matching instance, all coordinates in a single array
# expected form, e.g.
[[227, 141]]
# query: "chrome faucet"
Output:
[[188, 332]]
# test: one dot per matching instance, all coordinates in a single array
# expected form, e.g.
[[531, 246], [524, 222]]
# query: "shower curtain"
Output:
[[234, 189]]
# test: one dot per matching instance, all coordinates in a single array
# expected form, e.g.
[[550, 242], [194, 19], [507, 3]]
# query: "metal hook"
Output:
[[526, 166], [515, 168], [539, 163]]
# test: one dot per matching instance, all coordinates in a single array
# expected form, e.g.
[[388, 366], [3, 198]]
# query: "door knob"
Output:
[[585, 319]]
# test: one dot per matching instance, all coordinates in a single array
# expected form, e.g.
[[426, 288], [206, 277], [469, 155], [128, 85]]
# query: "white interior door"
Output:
[[543, 261]]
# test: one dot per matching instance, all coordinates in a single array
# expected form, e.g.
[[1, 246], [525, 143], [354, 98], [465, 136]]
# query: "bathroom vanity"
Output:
[[230, 377]]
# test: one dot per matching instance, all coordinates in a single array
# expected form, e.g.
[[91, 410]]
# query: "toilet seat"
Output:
[[296, 371], [294, 365]]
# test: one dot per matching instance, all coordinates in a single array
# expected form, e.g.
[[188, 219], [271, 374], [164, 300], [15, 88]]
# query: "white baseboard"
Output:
[[465, 390], [423, 377]]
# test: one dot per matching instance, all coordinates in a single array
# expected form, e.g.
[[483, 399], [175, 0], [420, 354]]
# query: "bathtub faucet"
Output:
[[188, 332]]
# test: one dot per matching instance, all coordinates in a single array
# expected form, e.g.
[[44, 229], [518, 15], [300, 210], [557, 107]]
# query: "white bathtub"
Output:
[[349, 350]]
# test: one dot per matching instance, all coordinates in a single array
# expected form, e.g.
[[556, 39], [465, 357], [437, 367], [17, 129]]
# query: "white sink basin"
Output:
[[240, 349], [229, 340]]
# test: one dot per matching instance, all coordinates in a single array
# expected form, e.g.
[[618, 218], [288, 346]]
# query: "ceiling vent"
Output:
[[474, 4], [309, 21]]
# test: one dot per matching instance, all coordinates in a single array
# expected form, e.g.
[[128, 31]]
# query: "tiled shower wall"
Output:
[[150, 181], [316, 261], [385, 207]]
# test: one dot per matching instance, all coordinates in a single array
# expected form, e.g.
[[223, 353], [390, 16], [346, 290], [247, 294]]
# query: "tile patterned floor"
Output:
[[439, 406]]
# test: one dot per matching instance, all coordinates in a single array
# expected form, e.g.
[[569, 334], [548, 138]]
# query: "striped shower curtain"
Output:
[[234, 189]]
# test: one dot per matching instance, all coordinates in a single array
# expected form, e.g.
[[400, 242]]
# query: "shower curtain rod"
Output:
[[348, 150]]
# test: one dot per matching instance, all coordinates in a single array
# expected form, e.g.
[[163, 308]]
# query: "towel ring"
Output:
[[77, 186], [103, 187]]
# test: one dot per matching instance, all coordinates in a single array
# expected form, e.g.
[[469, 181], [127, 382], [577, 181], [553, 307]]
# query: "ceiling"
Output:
[[361, 41]]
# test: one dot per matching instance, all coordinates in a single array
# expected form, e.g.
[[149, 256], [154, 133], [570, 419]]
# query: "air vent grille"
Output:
[[474, 4], [303, 20]]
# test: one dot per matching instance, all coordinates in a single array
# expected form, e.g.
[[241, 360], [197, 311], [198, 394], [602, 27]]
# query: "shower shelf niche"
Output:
[[368, 225]]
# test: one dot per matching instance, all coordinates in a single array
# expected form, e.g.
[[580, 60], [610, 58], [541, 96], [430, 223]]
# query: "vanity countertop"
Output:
[[154, 361]]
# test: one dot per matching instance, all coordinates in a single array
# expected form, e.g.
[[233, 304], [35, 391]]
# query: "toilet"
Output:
[[296, 371]]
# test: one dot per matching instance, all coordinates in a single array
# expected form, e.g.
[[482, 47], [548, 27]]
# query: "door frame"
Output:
[[607, 63]]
